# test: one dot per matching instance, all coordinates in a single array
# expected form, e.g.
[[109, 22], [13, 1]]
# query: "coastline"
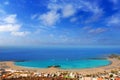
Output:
[[115, 64]]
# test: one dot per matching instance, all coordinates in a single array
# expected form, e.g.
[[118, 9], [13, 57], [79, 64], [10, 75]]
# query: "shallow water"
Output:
[[74, 64]]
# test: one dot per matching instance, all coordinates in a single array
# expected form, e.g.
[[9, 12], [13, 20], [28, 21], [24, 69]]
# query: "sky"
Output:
[[59, 22]]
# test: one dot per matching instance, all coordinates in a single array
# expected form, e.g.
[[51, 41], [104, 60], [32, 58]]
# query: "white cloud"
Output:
[[60, 9], [20, 33], [54, 6], [9, 23], [97, 30], [10, 19], [90, 6], [68, 10], [9, 27], [92, 30], [52, 17], [49, 18], [114, 20]]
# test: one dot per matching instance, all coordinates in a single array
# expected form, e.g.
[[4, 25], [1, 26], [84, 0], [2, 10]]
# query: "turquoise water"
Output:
[[74, 64], [66, 57]]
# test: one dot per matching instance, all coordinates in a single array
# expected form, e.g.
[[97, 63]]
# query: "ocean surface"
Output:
[[65, 57]]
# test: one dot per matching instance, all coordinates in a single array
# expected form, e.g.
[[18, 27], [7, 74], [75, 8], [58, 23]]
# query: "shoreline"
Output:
[[115, 64]]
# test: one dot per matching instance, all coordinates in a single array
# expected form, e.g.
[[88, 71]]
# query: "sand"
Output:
[[115, 64]]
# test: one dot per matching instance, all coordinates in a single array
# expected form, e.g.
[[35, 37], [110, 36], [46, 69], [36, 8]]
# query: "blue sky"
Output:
[[59, 22]]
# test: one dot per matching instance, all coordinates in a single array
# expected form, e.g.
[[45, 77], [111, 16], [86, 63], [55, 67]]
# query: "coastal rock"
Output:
[[54, 66]]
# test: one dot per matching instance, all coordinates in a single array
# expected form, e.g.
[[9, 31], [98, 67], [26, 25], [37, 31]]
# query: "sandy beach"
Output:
[[115, 64]]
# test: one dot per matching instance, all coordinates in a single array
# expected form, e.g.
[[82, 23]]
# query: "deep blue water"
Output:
[[46, 53], [58, 54]]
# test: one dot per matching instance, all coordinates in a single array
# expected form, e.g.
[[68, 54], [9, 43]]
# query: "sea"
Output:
[[64, 57]]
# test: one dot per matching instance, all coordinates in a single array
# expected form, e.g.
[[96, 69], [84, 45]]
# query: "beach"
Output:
[[115, 64], [10, 71]]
